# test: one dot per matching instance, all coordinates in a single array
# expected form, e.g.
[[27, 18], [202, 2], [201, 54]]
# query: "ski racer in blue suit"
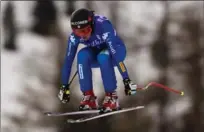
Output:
[[105, 50]]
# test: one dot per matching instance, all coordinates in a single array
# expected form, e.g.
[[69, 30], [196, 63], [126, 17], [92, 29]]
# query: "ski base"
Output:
[[72, 113], [85, 119]]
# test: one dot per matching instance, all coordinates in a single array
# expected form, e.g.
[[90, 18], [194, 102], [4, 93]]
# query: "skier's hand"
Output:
[[130, 88], [64, 94]]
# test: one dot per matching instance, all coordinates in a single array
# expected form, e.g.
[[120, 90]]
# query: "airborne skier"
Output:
[[105, 50]]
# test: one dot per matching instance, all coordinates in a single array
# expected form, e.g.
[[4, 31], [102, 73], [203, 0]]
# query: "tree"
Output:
[[10, 28], [70, 7], [160, 56], [45, 18], [185, 58], [192, 24]]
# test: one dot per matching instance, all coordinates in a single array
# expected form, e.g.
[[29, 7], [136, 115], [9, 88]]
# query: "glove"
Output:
[[130, 88], [64, 94]]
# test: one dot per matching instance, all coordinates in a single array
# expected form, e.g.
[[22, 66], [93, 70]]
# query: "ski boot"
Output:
[[110, 103], [88, 102]]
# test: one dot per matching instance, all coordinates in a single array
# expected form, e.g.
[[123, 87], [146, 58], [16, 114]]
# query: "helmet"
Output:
[[81, 18]]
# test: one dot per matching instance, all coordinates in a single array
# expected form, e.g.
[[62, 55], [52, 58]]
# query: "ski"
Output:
[[85, 119], [72, 113]]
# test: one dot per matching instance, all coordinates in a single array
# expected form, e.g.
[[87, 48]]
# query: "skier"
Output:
[[105, 50]]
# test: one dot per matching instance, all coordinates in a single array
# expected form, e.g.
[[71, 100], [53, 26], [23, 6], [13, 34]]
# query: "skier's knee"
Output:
[[83, 55], [103, 58]]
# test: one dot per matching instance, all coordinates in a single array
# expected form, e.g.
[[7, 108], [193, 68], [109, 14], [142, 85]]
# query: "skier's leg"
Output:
[[107, 64], [110, 102], [107, 71], [84, 59]]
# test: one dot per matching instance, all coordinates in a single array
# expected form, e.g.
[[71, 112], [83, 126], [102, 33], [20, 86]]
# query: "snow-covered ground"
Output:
[[10, 83]]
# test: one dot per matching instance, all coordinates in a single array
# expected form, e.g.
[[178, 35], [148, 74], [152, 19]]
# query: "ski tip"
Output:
[[140, 107], [47, 113], [71, 121]]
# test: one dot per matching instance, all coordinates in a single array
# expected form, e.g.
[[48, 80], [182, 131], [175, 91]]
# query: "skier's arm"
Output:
[[69, 58], [109, 35]]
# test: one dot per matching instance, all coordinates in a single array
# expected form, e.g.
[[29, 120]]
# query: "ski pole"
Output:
[[72, 78], [154, 84]]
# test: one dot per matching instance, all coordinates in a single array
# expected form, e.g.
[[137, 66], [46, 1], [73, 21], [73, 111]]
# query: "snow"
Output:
[[16, 73], [24, 19], [22, 69], [177, 107], [10, 81], [143, 62], [137, 18]]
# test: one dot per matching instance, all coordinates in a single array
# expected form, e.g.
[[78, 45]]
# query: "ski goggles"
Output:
[[84, 32]]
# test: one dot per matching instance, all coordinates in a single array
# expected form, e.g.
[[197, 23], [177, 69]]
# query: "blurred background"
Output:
[[165, 43]]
